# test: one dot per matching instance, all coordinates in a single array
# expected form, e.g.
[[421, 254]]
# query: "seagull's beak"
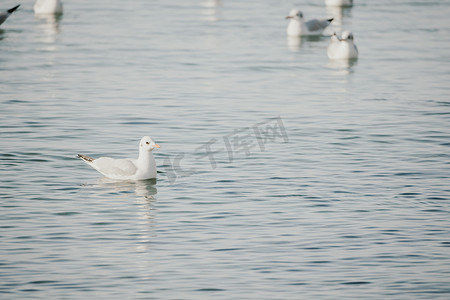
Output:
[[157, 146], [289, 17], [335, 35]]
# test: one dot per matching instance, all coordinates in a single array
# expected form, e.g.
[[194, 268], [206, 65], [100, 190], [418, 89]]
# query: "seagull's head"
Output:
[[295, 14], [147, 144], [347, 35]]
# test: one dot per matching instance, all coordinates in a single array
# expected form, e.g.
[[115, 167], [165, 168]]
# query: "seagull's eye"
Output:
[[147, 143]]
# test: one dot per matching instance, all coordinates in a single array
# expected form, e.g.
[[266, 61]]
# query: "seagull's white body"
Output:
[[298, 27], [5, 14], [144, 167], [338, 2], [48, 7], [342, 48]]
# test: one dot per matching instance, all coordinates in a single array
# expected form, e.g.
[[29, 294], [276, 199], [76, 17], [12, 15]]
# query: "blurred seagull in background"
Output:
[[334, 44], [298, 27], [46, 7], [342, 48], [127, 169], [338, 2], [5, 14]]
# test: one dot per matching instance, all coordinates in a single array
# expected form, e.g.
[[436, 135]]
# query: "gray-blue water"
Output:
[[352, 202]]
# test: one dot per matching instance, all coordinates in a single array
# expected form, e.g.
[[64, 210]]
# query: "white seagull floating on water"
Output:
[[44, 7], [298, 27], [342, 48], [5, 14], [127, 169]]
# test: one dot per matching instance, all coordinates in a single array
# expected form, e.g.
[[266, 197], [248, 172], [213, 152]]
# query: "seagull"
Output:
[[127, 169], [45, 7], [5, 14], [342, 48], [297, 26], [338, 2], [334, 43]]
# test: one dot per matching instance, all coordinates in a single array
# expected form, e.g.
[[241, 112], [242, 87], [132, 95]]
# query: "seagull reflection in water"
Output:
[[142, 188]]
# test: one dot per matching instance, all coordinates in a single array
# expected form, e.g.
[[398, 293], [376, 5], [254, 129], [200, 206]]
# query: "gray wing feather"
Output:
[[314, 25], [3, 17], [115, 167]]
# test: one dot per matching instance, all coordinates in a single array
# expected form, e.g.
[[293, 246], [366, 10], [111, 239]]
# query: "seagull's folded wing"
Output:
[[115, 167], [314, 25]]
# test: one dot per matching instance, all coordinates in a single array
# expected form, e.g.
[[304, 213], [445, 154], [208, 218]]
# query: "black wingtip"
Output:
[[86, 158], [11, 10], [330, 20]]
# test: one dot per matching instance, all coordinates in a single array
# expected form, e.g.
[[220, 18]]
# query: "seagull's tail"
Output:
[[11, 10], [330, 20], [86, 158]]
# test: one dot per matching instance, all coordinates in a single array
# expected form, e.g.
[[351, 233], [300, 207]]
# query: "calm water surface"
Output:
[[352, 203]]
